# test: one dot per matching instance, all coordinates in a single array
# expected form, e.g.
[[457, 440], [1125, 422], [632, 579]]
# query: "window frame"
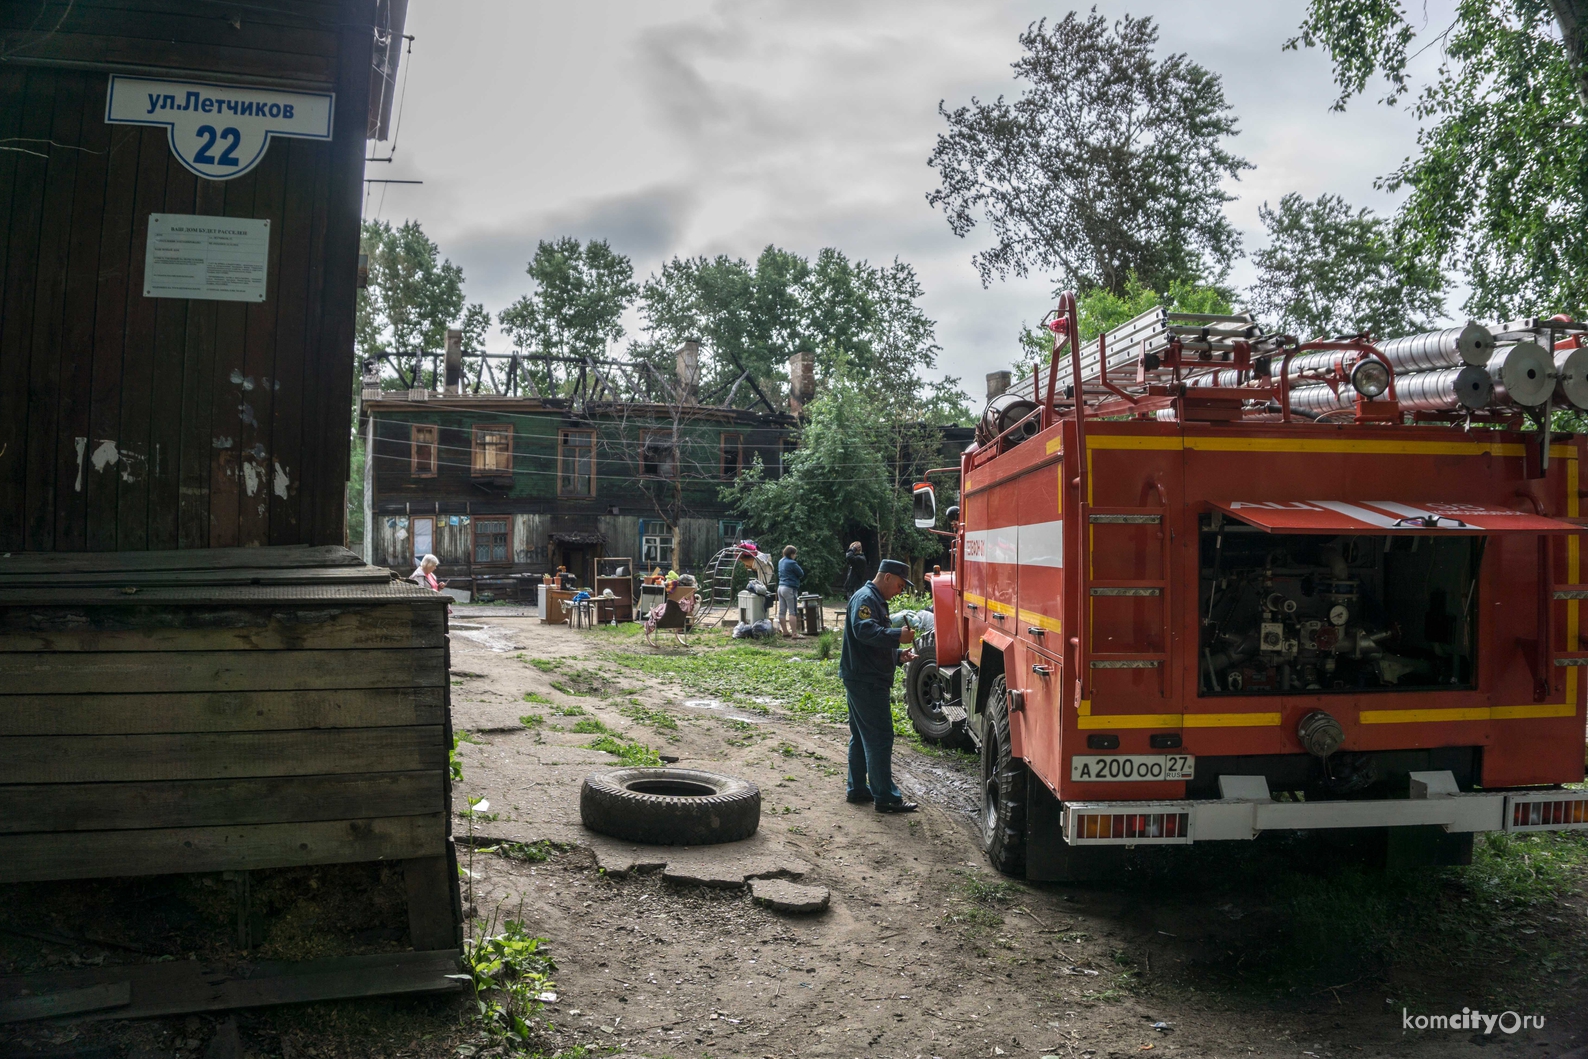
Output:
[[507, 539], [671, 537], [477, 451], [413, 449], [738, 455], [413, 535], [562, 448], [673, 443]]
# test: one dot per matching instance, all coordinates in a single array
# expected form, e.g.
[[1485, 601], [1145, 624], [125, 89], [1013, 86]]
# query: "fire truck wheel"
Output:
[[923, 701], [670, 807], [1003, 787]]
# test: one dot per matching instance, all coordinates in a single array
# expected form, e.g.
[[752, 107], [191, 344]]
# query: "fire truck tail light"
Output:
[[1555, 811], [1130, 827]]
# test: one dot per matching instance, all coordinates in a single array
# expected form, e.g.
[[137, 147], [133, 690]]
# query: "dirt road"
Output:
[[925, 951]]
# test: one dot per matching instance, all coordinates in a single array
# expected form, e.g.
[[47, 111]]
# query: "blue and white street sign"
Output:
[[219, 131]]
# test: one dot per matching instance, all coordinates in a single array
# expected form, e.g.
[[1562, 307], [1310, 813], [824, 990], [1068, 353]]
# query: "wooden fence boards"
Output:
[[203, 803], [227, 726], [43, 856], [263, 628], [211, 755], [219, 711]]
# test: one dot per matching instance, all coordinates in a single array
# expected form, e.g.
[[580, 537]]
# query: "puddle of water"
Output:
[[706, 704]]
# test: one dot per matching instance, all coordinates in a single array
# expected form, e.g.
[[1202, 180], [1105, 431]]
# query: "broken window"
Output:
[[576, 463], [658, 454], [732, 455], [493, 449], [422, 451]]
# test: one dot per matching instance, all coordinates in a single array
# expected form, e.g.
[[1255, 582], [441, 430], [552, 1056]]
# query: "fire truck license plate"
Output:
[[1094, 768]]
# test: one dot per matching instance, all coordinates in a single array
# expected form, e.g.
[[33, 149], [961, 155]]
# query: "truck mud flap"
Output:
[[1049, 858]]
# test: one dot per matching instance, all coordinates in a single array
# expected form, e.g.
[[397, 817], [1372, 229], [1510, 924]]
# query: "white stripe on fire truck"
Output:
[[1031, 544], [1361, 514]]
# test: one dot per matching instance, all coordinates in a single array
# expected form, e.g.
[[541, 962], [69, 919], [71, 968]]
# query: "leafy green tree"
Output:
[[1498, 189], [413, 295], [1110, 162], [838, 476], [1328, 270], [581, 292]]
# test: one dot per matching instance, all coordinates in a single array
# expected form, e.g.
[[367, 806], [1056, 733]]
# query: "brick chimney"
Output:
[[997, 383], [454, 358], [687, 357], [801, 380]]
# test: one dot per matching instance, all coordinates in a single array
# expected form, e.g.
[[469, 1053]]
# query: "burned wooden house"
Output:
[[563, 462]]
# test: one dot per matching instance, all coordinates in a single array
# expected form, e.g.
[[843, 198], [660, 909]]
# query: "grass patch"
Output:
[[571, 710], [508, 972], [532, 852], [463, 735], [589, 726], [585, 683], [535, 696], [661, 720], [739, 673], [632, 754], [532, 720]]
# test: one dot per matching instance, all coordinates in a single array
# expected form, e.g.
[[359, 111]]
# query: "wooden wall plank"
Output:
[[257, 628], [110, 320], [220, 711], [51, 263], [16, 315], [325, 575], [62, 807], [295, 557], [163, 465], [304, 159], [259, 365], [96, 854], [76, 354], [198, 381], [333, 352], [137, 366], [48, 673], [218, 755], [432, 885], [148, 20], [228, 398], [315, 70]]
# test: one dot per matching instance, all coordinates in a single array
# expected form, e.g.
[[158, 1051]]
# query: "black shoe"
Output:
[[896, 807], [858, 797]]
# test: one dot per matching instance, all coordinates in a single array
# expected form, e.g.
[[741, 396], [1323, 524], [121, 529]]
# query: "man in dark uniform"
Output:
[[872, 651]]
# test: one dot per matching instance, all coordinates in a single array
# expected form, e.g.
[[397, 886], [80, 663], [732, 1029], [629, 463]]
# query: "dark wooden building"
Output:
[[132, 422], [197, 675]]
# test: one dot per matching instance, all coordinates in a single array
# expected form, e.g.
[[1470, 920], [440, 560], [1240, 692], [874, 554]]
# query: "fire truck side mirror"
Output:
[[925, 506]]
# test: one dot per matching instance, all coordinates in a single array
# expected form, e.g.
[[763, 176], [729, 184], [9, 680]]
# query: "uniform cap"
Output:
[[897, 569]]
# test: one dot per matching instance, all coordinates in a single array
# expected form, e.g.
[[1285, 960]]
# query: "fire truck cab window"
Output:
[[1312, 613]]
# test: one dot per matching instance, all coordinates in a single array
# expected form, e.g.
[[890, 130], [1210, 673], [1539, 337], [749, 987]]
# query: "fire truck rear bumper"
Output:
[[1247, 808]]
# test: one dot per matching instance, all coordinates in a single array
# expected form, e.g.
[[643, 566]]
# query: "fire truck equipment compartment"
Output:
[[1392, 517]]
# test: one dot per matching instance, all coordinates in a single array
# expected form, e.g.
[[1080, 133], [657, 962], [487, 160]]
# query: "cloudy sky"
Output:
[[708, 126]]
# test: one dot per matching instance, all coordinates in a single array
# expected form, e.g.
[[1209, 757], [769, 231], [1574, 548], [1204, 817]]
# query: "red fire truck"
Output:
[[1194, 599]]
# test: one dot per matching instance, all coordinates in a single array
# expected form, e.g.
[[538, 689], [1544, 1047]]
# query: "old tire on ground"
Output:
[[670, 807], [923, 701], [1003, 787]]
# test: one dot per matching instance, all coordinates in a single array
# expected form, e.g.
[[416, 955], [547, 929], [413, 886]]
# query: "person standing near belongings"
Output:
[[872, 650], [789, 576], [854, 569], [425, 575]]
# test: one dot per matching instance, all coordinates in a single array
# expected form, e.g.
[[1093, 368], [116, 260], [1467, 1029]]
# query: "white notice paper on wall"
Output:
[[213, 258]]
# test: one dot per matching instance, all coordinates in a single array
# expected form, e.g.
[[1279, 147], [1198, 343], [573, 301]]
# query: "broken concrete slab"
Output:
[[720, 876], [780, 895], [620, 863]]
